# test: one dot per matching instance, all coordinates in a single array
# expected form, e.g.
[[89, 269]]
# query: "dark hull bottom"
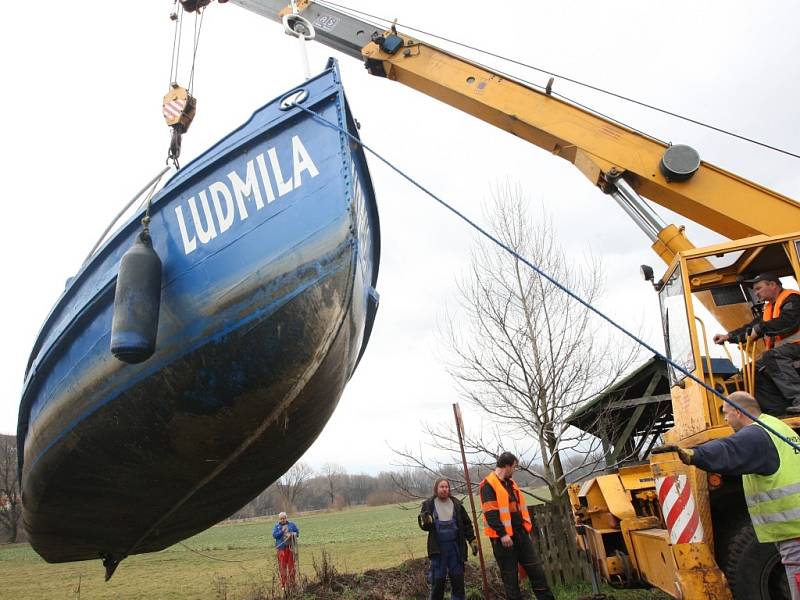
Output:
[[160, 463]]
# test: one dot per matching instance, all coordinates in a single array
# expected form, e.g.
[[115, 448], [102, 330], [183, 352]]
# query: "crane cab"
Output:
[[703, 523], [664, 523], [706, 291]]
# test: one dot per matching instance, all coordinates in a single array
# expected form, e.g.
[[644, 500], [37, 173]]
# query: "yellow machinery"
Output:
[[662, 523]]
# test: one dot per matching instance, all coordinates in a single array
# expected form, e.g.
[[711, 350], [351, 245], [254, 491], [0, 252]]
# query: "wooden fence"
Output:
[[555, 541]]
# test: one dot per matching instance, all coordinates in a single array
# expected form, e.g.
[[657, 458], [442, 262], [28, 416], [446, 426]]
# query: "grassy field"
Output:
[[357, 539], [232, 561]]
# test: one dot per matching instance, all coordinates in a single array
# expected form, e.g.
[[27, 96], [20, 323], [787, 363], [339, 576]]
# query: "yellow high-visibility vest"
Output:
[[774, 500]]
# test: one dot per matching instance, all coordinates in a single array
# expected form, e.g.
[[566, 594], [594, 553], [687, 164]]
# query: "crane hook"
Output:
[[179, 108]]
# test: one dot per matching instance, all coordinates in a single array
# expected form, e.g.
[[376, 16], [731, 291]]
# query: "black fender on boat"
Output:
[[136, 302]]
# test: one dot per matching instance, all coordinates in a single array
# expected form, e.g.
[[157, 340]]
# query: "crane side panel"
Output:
[[690, 410], [654, 556]]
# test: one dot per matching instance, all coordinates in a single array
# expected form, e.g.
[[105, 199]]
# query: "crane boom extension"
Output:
[[601, 149]]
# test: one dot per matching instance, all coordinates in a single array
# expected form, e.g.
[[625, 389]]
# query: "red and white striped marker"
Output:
[[174, 108], [678, 507]]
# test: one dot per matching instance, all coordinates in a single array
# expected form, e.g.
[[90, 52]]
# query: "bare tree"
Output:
[[291, 484], [334, 475], [359, 487], [10, 499], [415, 483], [525, 353]]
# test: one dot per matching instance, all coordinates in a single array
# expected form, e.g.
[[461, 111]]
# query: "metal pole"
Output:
[[301, 40], [460, 430], [639, 203], [635, 215], [304, 58], [296, 555]]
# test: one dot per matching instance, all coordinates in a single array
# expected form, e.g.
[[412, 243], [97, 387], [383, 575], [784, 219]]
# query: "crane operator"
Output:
[[777, 377]]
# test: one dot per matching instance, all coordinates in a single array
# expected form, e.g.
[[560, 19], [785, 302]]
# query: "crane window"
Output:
[[674, 318], [728, 294]]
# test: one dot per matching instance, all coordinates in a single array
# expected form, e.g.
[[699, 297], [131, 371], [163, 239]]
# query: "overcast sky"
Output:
[[82, 131]]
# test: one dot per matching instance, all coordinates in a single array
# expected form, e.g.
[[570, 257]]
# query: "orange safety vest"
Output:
[[503, 504], [772, 311]]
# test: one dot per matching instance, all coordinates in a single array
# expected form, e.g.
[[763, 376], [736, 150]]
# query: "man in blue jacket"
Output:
[[770, 470], [286, 533]]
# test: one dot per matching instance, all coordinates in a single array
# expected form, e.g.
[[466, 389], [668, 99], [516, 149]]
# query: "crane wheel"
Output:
[[754, 570]]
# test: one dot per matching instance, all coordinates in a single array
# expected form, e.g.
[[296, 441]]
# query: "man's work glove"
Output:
[[685, 454], [426, 518], [474, 545]]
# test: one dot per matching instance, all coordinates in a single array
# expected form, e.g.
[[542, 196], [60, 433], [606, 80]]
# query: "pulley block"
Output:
[[179, 108]]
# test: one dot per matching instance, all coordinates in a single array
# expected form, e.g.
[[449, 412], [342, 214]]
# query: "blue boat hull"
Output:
[[270, 245]]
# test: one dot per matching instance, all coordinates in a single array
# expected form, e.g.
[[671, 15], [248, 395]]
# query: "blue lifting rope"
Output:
[[564, 289]]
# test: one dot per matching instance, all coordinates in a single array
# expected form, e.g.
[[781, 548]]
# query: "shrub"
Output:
[[339, 502], [381, 497], [324, 569]]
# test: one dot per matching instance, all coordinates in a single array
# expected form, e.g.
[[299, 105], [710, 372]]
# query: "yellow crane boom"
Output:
[[606, 152]]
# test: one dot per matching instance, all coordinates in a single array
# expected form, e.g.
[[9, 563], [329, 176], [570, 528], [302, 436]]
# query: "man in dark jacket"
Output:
[[777, 379], [449, 529]]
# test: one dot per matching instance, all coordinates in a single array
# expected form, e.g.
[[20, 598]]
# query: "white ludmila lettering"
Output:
[[302, 161], [240, 188], [284, 187], [189, 245], [262, 168], [204, 235], [245, 189], [224, 218]]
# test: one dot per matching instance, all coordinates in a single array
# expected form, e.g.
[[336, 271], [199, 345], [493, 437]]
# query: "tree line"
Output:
[[332, 487]]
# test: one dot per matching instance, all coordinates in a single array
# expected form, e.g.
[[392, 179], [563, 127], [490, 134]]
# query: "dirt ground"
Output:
[[405, 582], [408, 582]]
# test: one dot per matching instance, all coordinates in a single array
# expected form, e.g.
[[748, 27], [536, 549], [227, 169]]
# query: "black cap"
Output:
[[764, 277]]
